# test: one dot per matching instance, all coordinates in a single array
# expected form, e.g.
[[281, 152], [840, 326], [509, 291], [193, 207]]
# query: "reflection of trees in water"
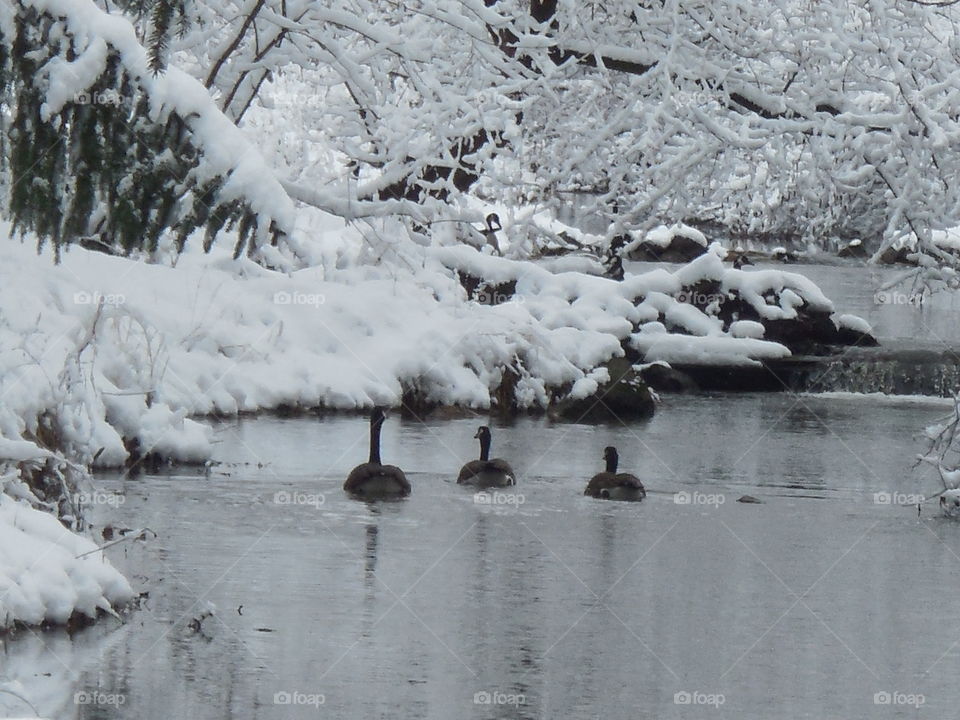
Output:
[[502, 602], [370, 554]]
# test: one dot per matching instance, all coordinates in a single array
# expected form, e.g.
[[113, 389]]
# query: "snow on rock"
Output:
[[685, 305], [663, 235], [746, 329], [717, 350], [42, 577], [853, 322], [676, 243]]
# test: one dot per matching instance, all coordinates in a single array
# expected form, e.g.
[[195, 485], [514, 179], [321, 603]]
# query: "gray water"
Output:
[[555, 605]]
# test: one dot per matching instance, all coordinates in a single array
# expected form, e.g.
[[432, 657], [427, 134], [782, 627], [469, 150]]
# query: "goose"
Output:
[[490, 232], [611, 485], [950, 502], [373, 478], [740, 260], [486, 472]]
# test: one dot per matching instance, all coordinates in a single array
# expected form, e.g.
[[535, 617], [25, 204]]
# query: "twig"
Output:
[[129, 536]]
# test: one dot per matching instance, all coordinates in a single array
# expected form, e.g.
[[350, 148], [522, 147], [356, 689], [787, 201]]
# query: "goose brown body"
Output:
[[611, 485], [373, 479], [486, 472]]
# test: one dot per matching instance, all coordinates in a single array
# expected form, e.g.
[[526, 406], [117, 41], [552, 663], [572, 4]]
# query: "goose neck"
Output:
[[375, 443], [612, 463], [485, 441]]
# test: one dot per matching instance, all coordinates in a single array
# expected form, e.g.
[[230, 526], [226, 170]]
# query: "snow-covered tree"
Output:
[[794, 117], [96, 144]]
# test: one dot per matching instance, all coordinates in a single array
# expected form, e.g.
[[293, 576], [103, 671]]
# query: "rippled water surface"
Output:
[[545, 604]]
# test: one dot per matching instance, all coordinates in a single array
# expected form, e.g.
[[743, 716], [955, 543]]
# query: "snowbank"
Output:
[[101, 352], [43, 577]]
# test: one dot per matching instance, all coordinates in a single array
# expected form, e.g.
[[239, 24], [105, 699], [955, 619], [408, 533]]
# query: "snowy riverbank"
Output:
[[49, 574], [101, 354], [104, 359]]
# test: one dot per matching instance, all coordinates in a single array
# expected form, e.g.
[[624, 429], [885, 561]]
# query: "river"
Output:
[[832, 597]]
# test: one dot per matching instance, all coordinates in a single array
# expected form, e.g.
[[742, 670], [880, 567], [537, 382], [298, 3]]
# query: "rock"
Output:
[[505, 396], [487, 293], [853, 249], [613, 259], [893, 255], [811, 332], [781, 254], [739, 259], [852, 336], [749, 500], [669, 245], [663, 378], [626, 396]]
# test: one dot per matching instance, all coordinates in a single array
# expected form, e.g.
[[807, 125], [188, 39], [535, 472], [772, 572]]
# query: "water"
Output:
[[807, 605]]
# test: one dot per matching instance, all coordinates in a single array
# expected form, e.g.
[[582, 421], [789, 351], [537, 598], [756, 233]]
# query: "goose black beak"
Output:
[[476, 435]]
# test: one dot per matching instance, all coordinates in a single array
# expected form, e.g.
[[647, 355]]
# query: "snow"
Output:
[[853, 322], [884, 398], [746, 329], [114, 349], [718, 350], [662, 235], [43, 577], [227, 151]]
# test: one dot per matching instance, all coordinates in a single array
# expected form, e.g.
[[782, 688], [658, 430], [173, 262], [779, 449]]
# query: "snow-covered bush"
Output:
[[49, 574]]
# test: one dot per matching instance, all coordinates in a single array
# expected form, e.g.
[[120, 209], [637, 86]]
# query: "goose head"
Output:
[[377, 416], [950, 502], [483, 434], [611, 457], [493, 219]]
